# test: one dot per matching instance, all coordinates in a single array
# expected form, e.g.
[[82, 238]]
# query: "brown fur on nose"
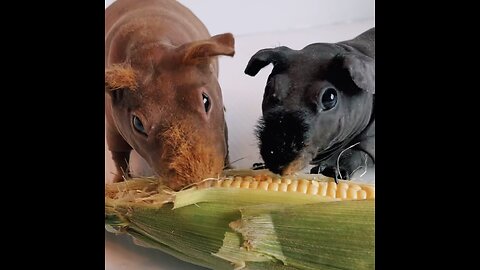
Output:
[[190, 157]]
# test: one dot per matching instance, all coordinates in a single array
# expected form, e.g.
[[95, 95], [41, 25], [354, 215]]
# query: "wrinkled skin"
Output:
[[318, 107], [162, 95]]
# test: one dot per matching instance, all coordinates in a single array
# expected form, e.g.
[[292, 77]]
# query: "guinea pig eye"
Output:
[[137, 124], [329, 99], [206, 102]]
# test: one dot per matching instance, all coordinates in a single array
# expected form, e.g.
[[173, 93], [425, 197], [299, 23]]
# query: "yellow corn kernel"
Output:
[[293, 186], [273, 187], [332, 189], [263, 185], [341, 193], [354, 187], [283, 187], [246, 184], [218, 183], [238, 178], [342, 190], [236, 183], [287, 181], [227, 183], [322, 188], [305, 181], [352, 194], [277, 180], [342, 185], [313, 188], [361, 194], [370, 192], [254, 185], [302, 187]]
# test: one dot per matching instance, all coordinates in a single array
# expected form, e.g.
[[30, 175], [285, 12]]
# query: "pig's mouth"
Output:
[[188, 158]]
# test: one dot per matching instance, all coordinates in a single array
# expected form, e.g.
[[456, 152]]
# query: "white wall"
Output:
[[242, 17], [254, 16]]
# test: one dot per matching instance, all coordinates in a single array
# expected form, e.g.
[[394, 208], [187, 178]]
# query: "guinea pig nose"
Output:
[[273, 99], [270, 103], [276, 169]]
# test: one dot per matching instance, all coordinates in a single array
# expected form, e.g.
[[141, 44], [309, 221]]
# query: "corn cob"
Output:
[[344, 190], [251, 220]]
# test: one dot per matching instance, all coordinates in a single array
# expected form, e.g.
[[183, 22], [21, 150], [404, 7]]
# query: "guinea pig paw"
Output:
[[118, 178], [333, 172], [258, 166], [316, 170], [343, 174], [121, 177]]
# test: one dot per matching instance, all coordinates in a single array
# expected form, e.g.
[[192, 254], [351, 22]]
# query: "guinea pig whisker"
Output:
[[364, 167], [230, 163], [366, 159], [360, 167], [200, 182], [124, 173], [338, 158]]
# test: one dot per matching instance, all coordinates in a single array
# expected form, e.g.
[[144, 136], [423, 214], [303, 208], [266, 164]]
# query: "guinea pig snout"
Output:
[[188, 155], [282, 137]]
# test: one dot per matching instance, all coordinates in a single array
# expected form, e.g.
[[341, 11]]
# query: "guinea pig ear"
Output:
[[198, 51], [264, 57], [120, 77], [361, 69]]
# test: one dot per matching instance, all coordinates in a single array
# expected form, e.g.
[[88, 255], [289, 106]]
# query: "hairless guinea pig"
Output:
[[162, 95], [318, 107]]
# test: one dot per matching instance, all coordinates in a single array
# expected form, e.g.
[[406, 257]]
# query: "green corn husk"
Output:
[[231, 228]]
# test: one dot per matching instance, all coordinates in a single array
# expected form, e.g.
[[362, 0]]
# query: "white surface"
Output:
[[243, 94]]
